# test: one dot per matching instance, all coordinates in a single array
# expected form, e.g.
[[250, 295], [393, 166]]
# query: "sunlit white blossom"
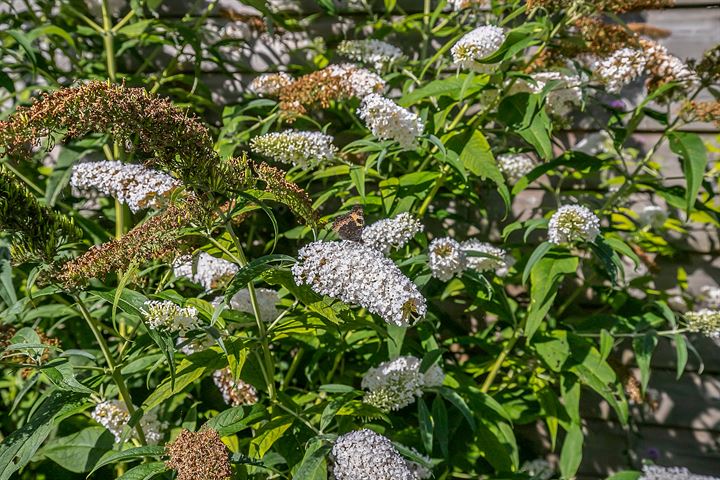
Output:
[[204, 269], [166, 316], [620, 68], [113, 415], [366, 455], [446, 258], [391, 233], [490, 258], [360, 275], [137, 186], [267, 300], [396, 383], [389, 121], [514, 166], [654, 472], [270, 84], [360, 81], [705, 321], [235, 392], [306, 149], [371, 51], [476, 45], [573, 223]]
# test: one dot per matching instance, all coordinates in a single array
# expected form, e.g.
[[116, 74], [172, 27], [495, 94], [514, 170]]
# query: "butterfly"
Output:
[[350, 225]]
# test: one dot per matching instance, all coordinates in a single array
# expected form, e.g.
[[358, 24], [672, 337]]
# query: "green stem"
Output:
[[498, 363], [115, 372], [293, 368], [428, 200], [108, 41]]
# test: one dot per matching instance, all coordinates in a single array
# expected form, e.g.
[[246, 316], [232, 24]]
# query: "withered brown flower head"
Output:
[[602, 38], [36, 232], [614, 6], [168, 137], [702, 111], [158, 237], [199, 456], [235, 392], [7, 332], [287, 192]]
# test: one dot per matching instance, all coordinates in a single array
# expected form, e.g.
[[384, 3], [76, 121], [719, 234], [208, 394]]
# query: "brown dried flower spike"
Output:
[[199, 456]]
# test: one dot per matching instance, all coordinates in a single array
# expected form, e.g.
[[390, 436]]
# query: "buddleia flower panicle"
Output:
[[653, 216], [662, 68], [36, 232], [199, 456], [166, 316], [497, 259], [514, 166], [204, 269], [288, 193], [390, 233], [270, 84], [564, 97], [621, 68], [702, 111], [373, 52], [113, 415], [389, 121], [267, 303], [306, 149], [359, 275], [397, 383], [710, 296], [654, 472], [573, 223], [476, 45], [446, 258], [159, 237], [135, 185], [705, 321], [364, 454], [172, 140], [333, 83], [235, 392]]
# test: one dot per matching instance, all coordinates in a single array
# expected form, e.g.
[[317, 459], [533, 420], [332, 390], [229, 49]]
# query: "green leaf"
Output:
[[477, 158], [25, 43], [129, 454], [426, 425], [644, 347], [268, 434], [457, 401], [627, 475], [81, 451], [690, 148], [129, 301], [357, 176], [571, 453], [313, 466], [546, 276], [19, 447], [681, 351], [233, 420], [441, 431], [144, 472], [47, 30], [607, 342], [253, 270], [452, 87], [524, 115], [62, 375], [536, 256]]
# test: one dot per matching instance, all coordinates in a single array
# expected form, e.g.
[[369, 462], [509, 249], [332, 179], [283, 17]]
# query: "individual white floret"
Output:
[[446, 258], [476, 45], [573, 223], [366, 455], [391, 233], [306, 149], [359, 275], [204, 269]]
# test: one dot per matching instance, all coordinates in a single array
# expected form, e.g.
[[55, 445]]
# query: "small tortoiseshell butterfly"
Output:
[[350, 225]]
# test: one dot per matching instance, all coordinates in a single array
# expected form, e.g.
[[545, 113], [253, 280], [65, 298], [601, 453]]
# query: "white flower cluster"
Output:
[[620, 68], [389, 121], [114, 416], [360, 81], [166, 316], [572, 223], [270, 84], [391, 233], [204, 269], [654, 472], [234, 392], [476, 45], [653, 216], [306, 149], [710, 296], [395, 384], [514, 166], [705, 321], [490, 258], [266, 298], [360, 275], [371, 51], [366, 455], [446, 258], [565, 95], [137, 186]]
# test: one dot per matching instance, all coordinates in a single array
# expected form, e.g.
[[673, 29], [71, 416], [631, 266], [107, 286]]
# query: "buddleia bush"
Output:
[[335, 273]]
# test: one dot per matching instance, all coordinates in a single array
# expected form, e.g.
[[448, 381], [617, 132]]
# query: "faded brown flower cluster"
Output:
[[287, 192], [199, 456], [235, 392], [614, 6], [702, 111], [7, 332]]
